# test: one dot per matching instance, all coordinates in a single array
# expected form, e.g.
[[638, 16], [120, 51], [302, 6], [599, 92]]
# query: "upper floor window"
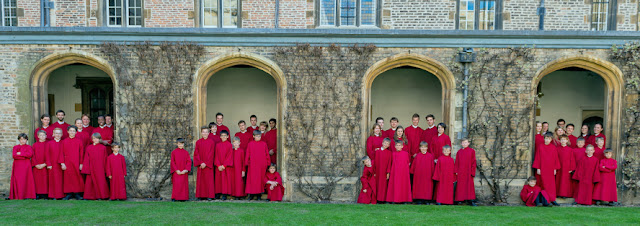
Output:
[[8, 12], [124, 13], [479, 15], [211, 16], [603, 15], [354, 13]]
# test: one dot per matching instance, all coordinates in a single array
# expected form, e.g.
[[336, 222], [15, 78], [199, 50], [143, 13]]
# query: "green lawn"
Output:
[[106, 212]]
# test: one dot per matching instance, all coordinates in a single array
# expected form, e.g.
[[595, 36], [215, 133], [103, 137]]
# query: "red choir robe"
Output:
[[368, 181], [54, 150], [250, 129], [414, 136], [224, 178], [22, 185], [422, 169], [529, 194], [563, 177], [588, 174], [40, 176], [276, 194], [439, 141], [390, 133], [238, 168], [382, 163], [373, 142], [573, 140], [256, 161], [89, 129], [392, 147], [592, 139], [62, 126], [204, 153], [72, 157], [245, 138], [546, 159], [111, 127], [429, 133], [606, 190], [444, 174], [105, 132], [271, 137], [215, 138], [49, 131], [180, 160], [465, 169], [95, 159], [539, 140], [399, 187], [578, 154], [599, 152], [117, 170], [85, 136], [223, 128]]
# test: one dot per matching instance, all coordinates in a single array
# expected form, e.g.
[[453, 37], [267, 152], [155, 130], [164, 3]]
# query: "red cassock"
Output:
[[445, 176], [392, 147], [599, 152], [546, 159], [54, 150], [49, 131], [573, 140], [117, 170], [223, 128], [587, 173], [399, 187], [22, 185], [215, 138], [95, 159], [251, 129], [245, 138], [439, 141], [606, 190], [429, 133], [236, 171], [382, 163], [465, 169], [278, 191], [539, 140], [105, 132], [85, 136], [529, 194], [40, 176], [373, 142], [422, 169], [256, 161], [204, 153], [62, 126], [271, 138], [592, 139], [180, 160], [390, 133], [563, 177], [414, 136], [224, 178], [88, 129], [368, 181], [72, 157], [578, 154]]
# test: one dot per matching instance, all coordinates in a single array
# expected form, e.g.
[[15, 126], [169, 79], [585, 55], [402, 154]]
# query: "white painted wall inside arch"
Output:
[[60, 84]]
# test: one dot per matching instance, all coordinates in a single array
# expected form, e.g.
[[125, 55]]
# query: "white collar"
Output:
[[57, 140], [430, 127], [108, 125], [102, 127], [116, 153], [85, 126], [61, 123], [44, 127], [254, 127], [414, 126]]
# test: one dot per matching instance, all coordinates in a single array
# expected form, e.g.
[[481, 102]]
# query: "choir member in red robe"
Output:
[[368, 181], [245, 136], [264, 126], [578, 154], [71, 163], [239, 171], [560, 123], [104, 131], [414, 135], [545, 128], [585, 134], [392, 131], [273, 184], [39, 163], [46, 126], [108, 122], [374, 141], [271, 138], [61, 124], [597, 132], [465, 170], [539, 140], [54, 150], [399, 187], [253, 119], [587, 173], [95, 159], [572, 139], [86, 125], [223, 159], [82, 134], [445, 175], [380, 121], [219, 119], [559, 131], [116, 171], [533, 195], [214, 135], [546, 163], [422, 169], [180, 167], [599, 148], [567, 166], [607, 190], [256, 161], [382, 162], [22, 185], [401, 137], [431, 131], [203, 155], [439, 141]]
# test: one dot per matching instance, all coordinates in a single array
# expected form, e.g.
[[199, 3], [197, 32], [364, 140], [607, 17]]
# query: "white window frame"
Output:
[[609, 15], [497, 14], [3, 17], [220, 10], [124, 13], [337, 15]]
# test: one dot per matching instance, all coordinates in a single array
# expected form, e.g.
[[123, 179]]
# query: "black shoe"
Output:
[[439, 204], [67, 197], [574, 203], [598, 203], [78, 197], [555, 203], [173, 200], [473, 204], [224, 197]]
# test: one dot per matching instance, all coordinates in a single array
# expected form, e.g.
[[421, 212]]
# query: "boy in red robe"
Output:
[[273, 184], [22, 186], [572, 139], [607, 190], [272, 141], [116, 171], [86, 121], [214, 135], [61, 124], [431, 131], [180, 167], [465, 170], [599, 148], [46, 121], [567, 166], [391, 131], [414, 135], [368, 181], [587, 173], [444, 174], [219, 119], [203, 155], [244, 134], [238, 170], [104, 131], [95, 156], [533, 195], [256, 161], [39, 163], [439, 141], [546, 163], [399, 187], [578, 154], [54, 150], [253, 119], [422, 170], [374, 141], [223, 159], [382, 162], [71, 163]]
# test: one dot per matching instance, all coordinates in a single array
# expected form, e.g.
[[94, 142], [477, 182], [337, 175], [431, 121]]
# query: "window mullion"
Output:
[[125, 14], [2, 12], [338, 11], [358, 13], [476, 15], [220, 12]]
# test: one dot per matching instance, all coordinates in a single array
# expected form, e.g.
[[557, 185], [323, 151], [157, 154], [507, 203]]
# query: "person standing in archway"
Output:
[[585, 133], [253, 119], [219, 119], [431, 131], [45, 119], [256, 161], [374, 141], [214, 135], [391, 132], [271, 138], [86, 124], [414, 135], [108, 121], [572, 139], [203, 156], [546, 163], [104, 131], [597, 132], [440, 141], [61, 124], [560, 123]]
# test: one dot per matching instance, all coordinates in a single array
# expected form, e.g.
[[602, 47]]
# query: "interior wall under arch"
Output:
[[61, 85]]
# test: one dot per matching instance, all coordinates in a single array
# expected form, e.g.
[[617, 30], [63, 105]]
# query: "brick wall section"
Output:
[[419, 14], [94, 11], [31, 16], [293, 14], [520, 15], [627, 15], [69, 13], [260, 13], [169, 13], [567, 15]]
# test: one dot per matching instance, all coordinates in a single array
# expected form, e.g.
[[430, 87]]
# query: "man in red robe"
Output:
[[61, 124], [398, 172], [414, 135], [465, 170], [244, 134], [224, 159], [572, 139], [219, 119], [533, 195], [391, 132], [22, 186], [203, 155], [567, 166], [54, 150], [587, 173], [382, 162], [108, 122], [39, 163], [104, 131], [256, 160], [180, 167], [253, 119], [546, 164], [271, 138], [422, 169], [578, 153], [444, 174], [431, 131], [71, 163], [607, 189], [95, 157], [82, 134], [116, 171], [86, 124]]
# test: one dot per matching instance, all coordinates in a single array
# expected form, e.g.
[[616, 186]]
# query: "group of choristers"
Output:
[[69, 161], [412, 164], [239, 166], [571, 167]]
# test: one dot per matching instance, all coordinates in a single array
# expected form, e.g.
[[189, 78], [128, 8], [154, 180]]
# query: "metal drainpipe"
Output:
[[541, 12], [466, 57], [277, 13]]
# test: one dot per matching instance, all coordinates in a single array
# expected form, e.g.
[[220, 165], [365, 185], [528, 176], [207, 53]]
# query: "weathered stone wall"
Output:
[[417, 14]]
